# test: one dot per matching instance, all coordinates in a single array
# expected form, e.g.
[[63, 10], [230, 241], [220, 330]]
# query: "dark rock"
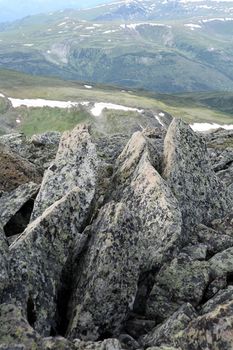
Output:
[[165, 334], [222, 297], [214, 240], [15, 170], [16, 207]]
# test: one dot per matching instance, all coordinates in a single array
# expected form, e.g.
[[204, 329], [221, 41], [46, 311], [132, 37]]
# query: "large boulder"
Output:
[[16, 170], [76, 164], [139, 185], [107, 275], [202, 196], [39, 258]]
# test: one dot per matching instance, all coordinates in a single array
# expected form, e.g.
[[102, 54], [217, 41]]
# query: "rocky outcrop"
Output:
[[75, 164], [129, 245], [137, 183], [201, 195]]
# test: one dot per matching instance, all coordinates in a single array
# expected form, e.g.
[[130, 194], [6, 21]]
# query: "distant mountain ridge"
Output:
[[191, 52]]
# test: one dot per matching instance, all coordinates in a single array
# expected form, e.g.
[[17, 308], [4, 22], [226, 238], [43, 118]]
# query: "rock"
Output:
[[160, 305], [184, 279], [222, 263], [187, 170], [196, 252], [4, 262], [15, 170], [107, 344], [209, 331], [222, 297], [214, 240], [128, 342], [137, 327], [163, 347], [57, 343], [165, 334], [215, 286], [224, 224], [39, 149], [39, 257], [75, 165], [16, 207], [15, 332], [139, 185], [107, 276], [45, 139]]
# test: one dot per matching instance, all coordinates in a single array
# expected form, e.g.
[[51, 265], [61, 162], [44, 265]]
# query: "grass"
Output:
[[200, 107], [39, 120]]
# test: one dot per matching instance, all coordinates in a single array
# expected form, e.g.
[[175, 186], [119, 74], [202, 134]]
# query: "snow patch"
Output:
[[88, 86], [1, 95], [100, 106], [158, 119], [210, 126], [192, 26], [29, 45]]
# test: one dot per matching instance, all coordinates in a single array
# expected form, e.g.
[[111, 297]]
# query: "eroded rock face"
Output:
[[15, 170], [187, 170], [107, 276], [39, 256], [75, 164], [139, 185]]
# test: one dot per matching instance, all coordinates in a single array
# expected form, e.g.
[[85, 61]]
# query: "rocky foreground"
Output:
[[117, 242]]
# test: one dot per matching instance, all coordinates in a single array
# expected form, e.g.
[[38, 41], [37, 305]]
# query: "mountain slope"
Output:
[[205, 107], [164, 56]]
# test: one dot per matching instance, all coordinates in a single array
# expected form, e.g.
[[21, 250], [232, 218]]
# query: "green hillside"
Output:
[[204, 107], [162, 56]]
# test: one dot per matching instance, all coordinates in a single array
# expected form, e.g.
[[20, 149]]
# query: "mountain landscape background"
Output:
[[163, 46]]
